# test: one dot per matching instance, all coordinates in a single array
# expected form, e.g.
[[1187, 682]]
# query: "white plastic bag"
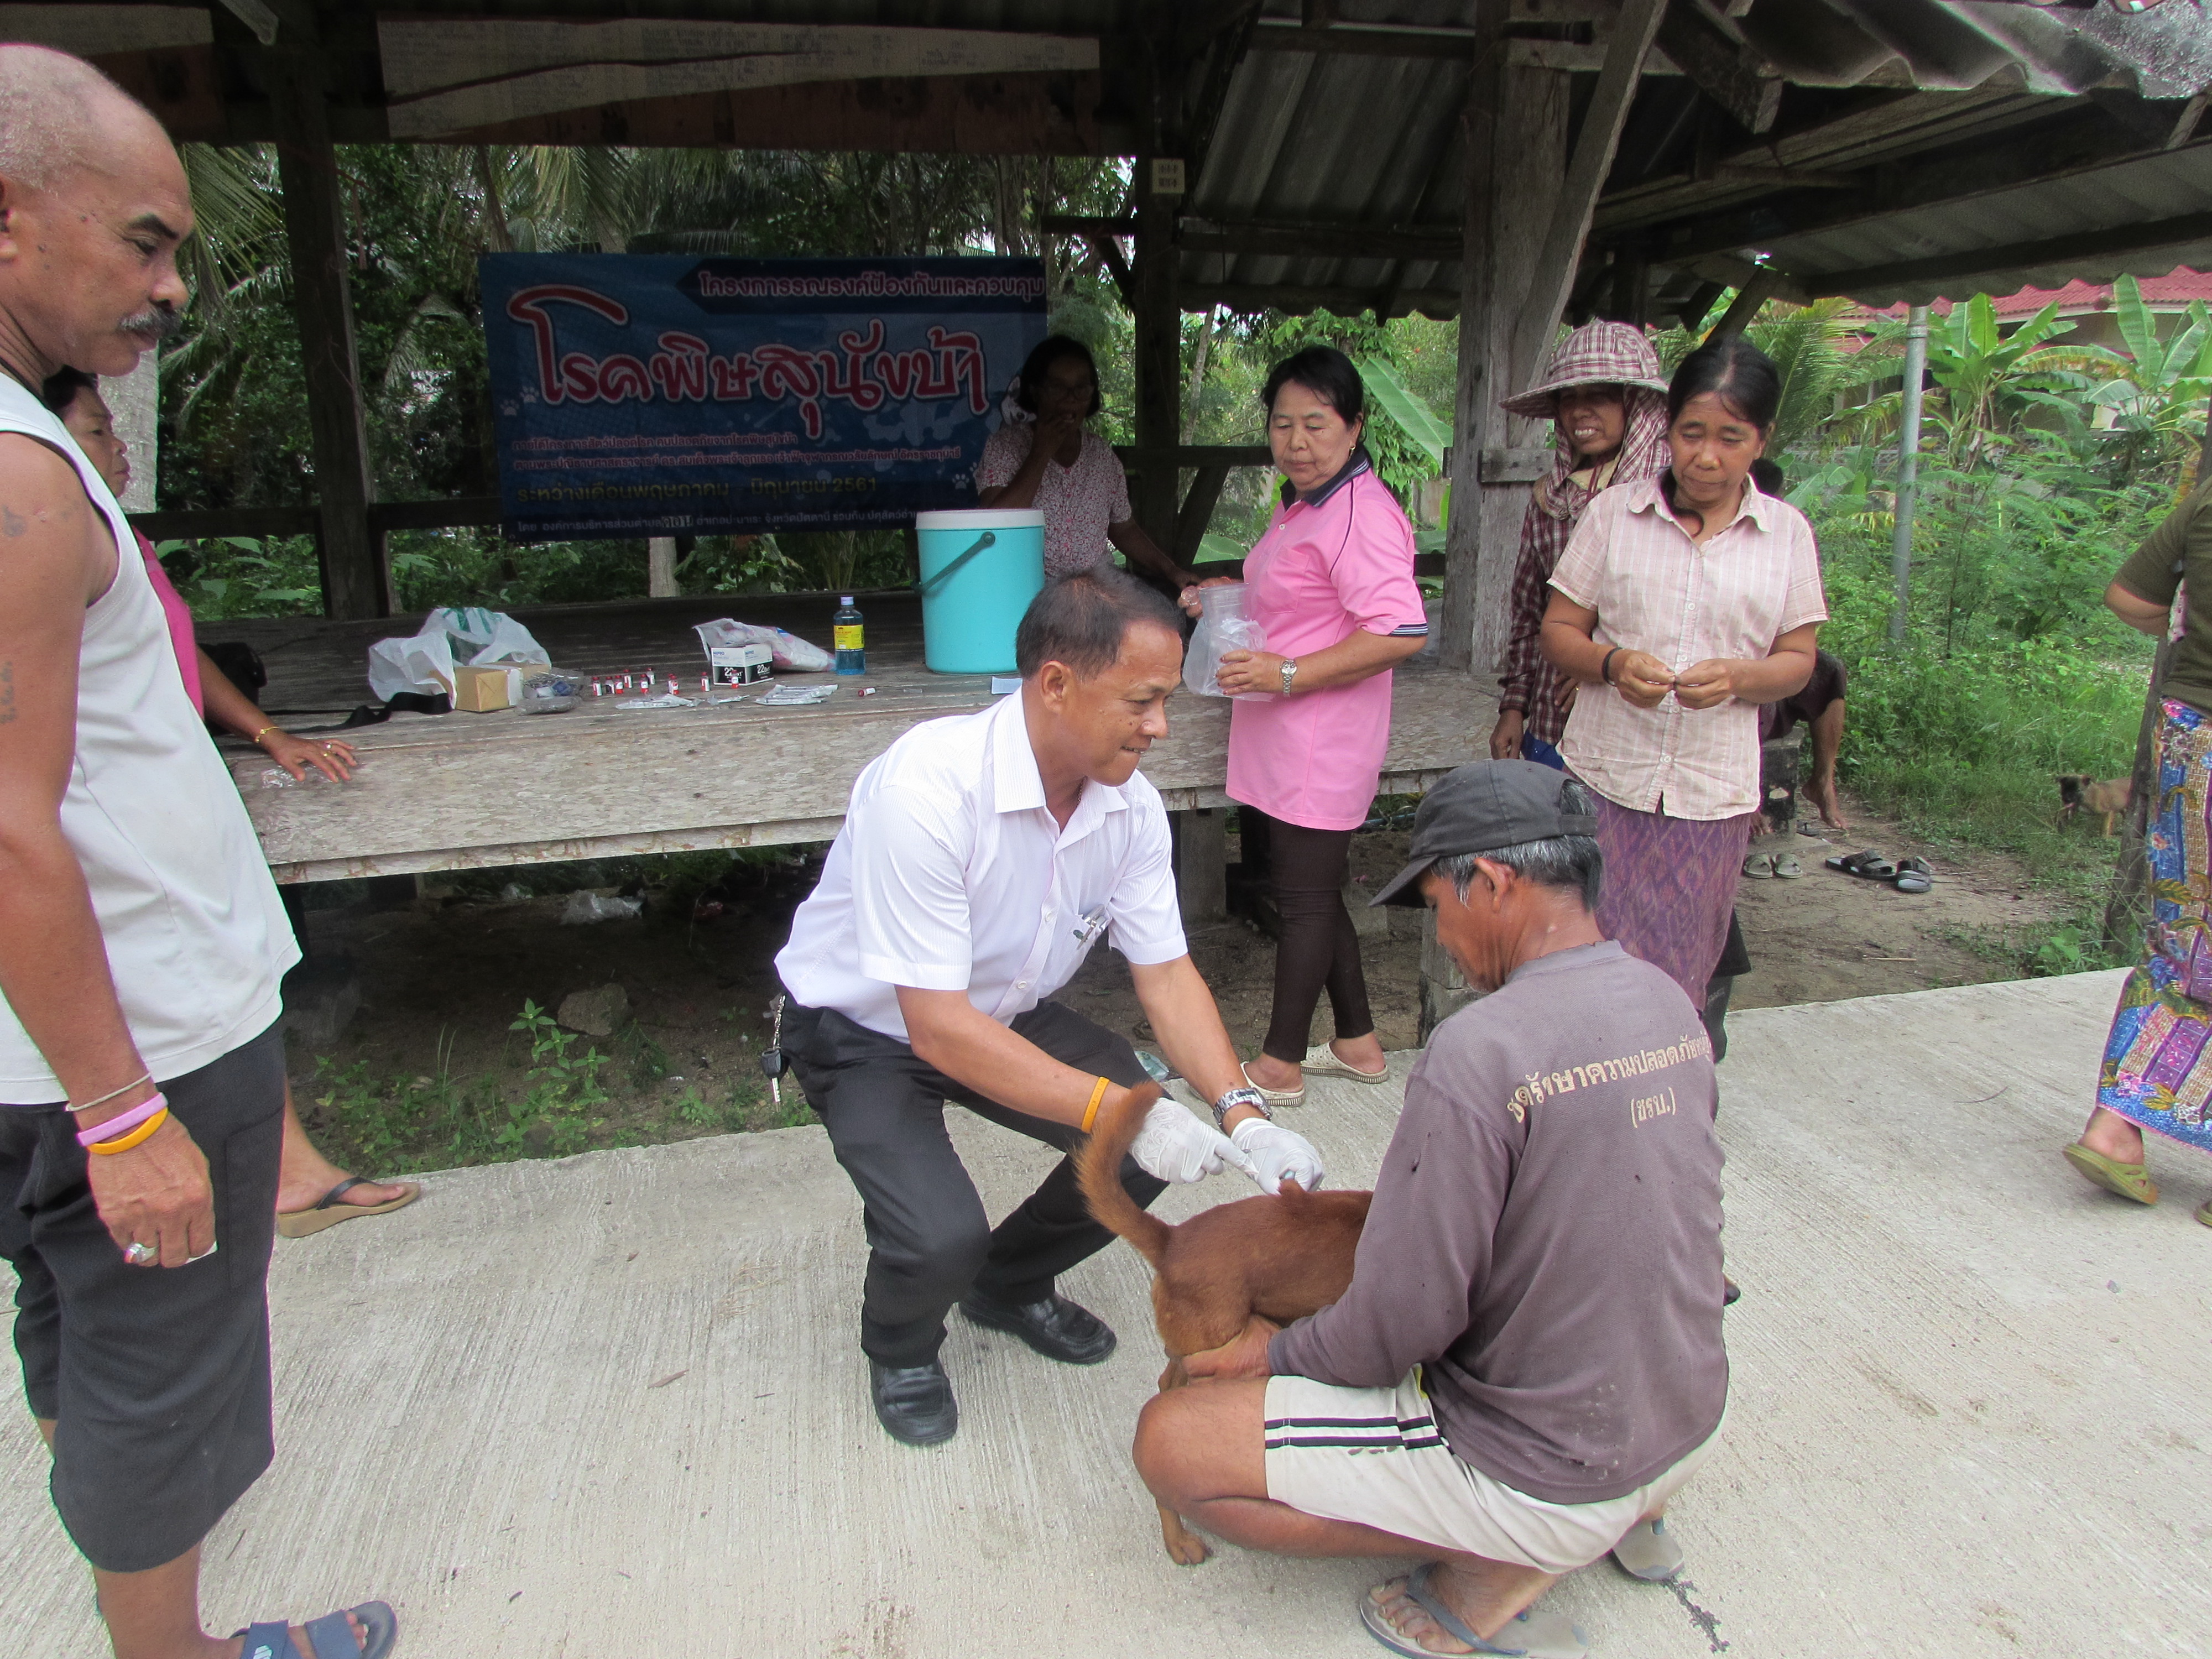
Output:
[[788, 649], [586, 908], [423, 661], [1223, 627]]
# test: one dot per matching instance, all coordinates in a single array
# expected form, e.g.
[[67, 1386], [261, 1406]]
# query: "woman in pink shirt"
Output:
[[1331, 584], [311, 1192], [1682, 603]]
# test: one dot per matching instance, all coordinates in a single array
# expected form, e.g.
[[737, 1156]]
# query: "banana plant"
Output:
[[1420, 424]]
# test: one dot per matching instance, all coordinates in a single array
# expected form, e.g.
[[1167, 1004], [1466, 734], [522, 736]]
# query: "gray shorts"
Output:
[[156, 1378], [1374, 1456]]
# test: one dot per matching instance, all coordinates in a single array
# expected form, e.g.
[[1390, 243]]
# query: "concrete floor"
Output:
[[612, 1405]]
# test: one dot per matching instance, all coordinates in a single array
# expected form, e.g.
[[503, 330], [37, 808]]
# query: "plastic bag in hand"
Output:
[[1223, 627]]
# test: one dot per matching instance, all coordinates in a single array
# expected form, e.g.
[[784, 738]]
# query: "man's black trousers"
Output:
[[929, 1240]]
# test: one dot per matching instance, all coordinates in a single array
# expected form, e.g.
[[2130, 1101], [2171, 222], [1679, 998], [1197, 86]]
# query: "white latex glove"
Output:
[[1175, 1146], [1277, 1155]]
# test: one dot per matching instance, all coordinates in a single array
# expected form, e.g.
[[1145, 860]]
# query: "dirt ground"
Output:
[[443, 978]]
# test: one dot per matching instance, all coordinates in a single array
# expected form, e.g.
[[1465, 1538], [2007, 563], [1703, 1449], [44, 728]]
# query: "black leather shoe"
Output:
[[913, 1402], [1055, 1327]]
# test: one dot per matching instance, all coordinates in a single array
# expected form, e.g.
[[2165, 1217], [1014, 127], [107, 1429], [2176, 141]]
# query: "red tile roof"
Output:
[[2168, 293]]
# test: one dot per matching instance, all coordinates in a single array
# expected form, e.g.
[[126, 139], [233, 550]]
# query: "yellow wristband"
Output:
[[1090, 1112], [145, 1132]]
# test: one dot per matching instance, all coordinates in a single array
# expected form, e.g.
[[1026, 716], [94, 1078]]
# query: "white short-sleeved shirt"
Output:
[[1655, 590], [1079, 502], [950, 875]]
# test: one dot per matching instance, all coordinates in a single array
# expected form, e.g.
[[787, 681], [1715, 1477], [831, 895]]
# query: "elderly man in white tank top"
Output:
[[141, 939]]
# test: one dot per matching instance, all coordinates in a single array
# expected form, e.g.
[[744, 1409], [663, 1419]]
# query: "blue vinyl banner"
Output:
[[671, 394]]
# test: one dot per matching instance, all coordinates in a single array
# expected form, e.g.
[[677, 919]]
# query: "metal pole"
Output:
[[1908, 468]]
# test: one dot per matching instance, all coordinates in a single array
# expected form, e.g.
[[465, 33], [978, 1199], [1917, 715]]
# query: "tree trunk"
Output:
[[1197, 375]]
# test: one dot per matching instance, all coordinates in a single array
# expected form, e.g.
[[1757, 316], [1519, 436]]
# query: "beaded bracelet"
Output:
[[108, 1128]]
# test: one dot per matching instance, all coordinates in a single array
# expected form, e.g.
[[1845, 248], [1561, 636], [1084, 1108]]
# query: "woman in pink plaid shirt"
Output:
[[1606, 400], [1682, 603]]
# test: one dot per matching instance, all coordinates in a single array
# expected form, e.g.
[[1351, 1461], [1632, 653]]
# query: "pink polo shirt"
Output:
[[1327, 568], [175, 612]]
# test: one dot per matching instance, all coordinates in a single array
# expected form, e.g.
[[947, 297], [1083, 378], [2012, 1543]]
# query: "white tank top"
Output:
[[197, 938]]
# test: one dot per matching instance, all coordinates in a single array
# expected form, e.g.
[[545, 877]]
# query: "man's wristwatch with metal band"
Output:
[[1289, 673], [1236, 1097]]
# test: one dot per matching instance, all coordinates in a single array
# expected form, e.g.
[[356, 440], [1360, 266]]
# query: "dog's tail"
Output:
[[1098, 1171]]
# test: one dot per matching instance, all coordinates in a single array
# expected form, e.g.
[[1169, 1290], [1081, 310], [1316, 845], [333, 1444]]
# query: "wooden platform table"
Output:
[[462, 791]]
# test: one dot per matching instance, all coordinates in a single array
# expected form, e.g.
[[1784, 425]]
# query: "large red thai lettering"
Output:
[[679, 368], [528, 307], [792, 372]]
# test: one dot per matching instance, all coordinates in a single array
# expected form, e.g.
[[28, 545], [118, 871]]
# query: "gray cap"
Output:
[[1481, 808]]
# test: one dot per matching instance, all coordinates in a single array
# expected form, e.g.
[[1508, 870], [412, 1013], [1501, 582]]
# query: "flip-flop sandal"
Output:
[[1648, 1551], [1320, 1060], [330, 1209], [1870, 865], [2204, 1213], [1913, 875], [1536, 1635], [330, 1636], [2129, 1181], [1275, 1097], [1786, 867], [1758, 865]]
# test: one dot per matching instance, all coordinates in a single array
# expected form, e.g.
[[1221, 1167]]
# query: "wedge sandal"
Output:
[[2129, 1181], [1320, 1060]]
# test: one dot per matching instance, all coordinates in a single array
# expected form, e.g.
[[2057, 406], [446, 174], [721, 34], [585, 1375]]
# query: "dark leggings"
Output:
[[1317, 948]]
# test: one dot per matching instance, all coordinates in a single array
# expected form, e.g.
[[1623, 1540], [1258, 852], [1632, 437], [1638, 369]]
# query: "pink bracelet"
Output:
[[122, 1123]]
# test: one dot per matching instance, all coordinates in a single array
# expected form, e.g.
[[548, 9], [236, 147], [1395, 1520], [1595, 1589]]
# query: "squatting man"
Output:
[[982, 857]]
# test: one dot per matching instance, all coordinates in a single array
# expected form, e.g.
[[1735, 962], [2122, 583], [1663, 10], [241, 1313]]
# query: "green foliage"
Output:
[[564, 1086], [1392, 397]]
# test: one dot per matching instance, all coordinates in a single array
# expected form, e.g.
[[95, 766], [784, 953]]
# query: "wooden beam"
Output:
[[1733, 270], [1324, 241], [2120, 240], [1134, 456], [1345, 300], [1089, 224], [356, 580], [1541, 303], [1158, 329], [1757, 290], [1197, 511], [1732, 75], [1109, 255], [1477, 384]]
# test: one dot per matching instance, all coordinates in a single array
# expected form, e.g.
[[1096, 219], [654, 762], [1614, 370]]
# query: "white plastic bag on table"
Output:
[[1223, 627], [423, 661], [788, 649]]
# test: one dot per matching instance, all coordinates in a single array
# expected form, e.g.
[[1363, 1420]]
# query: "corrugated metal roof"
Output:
[[1357, 146]]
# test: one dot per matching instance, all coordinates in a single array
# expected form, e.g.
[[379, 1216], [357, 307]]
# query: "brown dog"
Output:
[[2077, 793], [1281, 1257]]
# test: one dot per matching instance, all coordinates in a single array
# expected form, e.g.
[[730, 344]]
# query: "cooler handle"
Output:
[[989, 538]]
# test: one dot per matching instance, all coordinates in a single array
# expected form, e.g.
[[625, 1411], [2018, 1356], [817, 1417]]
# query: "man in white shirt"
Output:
[[982, 857], [141, 1064]]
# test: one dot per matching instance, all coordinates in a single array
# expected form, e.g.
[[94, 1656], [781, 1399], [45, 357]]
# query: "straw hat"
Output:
[[1598, 353]]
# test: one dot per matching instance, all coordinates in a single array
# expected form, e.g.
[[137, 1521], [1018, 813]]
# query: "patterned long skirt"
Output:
[[2158, 1061], [1669, 888]]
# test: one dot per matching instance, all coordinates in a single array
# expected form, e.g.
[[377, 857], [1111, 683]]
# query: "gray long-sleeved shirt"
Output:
[[1546, 1236]]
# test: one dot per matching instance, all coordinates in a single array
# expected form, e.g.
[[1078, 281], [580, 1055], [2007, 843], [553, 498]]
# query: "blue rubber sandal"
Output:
[[330, 1636], [1548, 1636]]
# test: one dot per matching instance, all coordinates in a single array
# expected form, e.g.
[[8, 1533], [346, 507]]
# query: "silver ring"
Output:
[[139, 1253]]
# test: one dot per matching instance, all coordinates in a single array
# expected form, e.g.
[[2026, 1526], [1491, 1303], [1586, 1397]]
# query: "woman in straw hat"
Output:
[[1607, 401]]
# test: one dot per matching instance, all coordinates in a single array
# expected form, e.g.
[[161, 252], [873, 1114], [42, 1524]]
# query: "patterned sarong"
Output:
[[1669, 888], [2157, 1073]]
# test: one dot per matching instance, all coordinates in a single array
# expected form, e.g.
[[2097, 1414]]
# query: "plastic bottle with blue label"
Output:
[[850, 638]]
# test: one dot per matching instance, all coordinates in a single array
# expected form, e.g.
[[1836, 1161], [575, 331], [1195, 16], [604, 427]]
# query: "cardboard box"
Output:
[[739, 664], [483, 690]]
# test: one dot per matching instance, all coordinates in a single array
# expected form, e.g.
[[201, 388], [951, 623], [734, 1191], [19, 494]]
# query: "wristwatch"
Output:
[[1236, 1097], [1289, 673]]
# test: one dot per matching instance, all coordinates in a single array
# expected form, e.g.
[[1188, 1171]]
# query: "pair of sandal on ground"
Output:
[[1907, 875], [1648, 1551], [2129, 1181], [1783, 867]]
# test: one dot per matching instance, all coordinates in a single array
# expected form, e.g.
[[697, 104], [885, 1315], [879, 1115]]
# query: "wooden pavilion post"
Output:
[[356, 579]]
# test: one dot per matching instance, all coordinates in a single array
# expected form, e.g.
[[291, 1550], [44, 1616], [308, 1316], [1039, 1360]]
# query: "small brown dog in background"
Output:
[[2077, 793], [1281, 1256]]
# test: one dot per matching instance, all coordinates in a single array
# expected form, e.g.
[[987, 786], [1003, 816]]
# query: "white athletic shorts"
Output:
[[1375, 1456]]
